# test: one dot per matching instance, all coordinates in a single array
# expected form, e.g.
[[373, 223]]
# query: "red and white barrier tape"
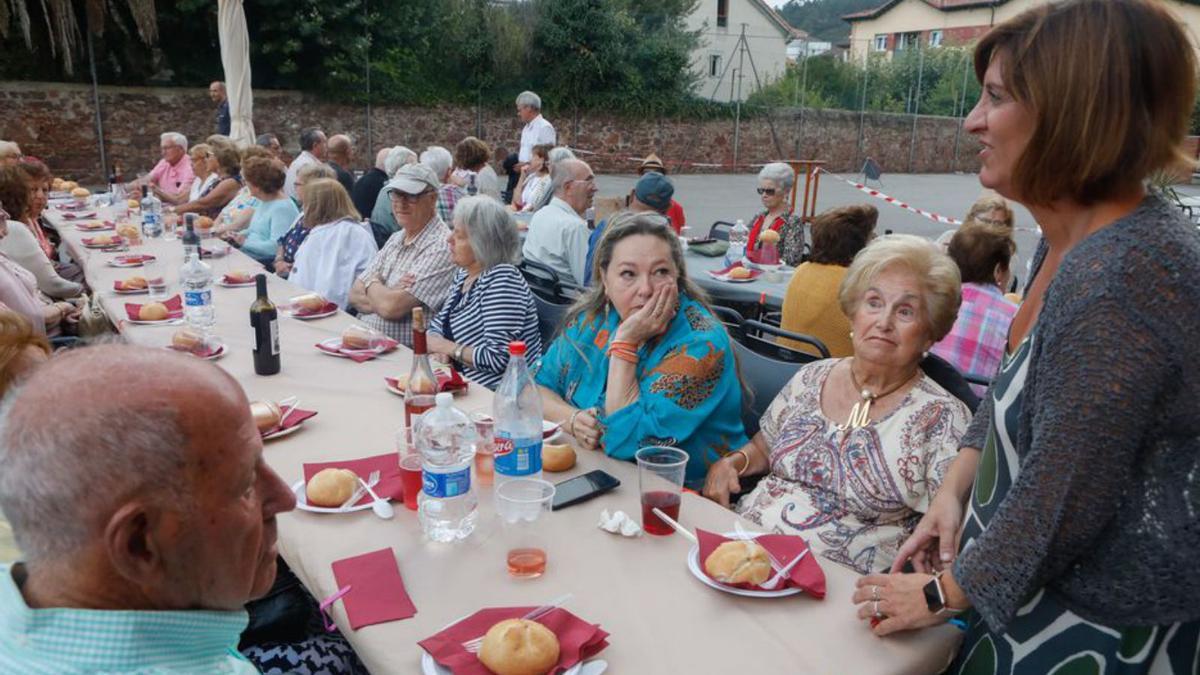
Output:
[[639, 160], [936, 217]]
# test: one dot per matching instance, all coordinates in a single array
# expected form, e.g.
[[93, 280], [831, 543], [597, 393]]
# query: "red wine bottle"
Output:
[[264, 318]]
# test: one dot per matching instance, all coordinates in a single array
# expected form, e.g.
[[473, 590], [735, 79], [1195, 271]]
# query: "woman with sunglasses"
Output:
[[774, 182]]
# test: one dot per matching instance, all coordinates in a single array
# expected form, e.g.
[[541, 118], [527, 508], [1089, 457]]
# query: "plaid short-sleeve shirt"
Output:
[[427, 258], [976, 343]]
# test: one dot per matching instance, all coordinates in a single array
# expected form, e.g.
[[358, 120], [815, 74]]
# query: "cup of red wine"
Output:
[[661, 470]]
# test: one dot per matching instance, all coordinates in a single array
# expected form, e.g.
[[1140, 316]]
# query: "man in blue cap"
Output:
[[651, 194]]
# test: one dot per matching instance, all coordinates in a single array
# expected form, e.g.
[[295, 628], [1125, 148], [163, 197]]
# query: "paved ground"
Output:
[[730, 196]]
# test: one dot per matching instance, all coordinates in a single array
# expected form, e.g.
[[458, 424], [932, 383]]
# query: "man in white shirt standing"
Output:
[[537, 131], [558, 234], [313, 149]]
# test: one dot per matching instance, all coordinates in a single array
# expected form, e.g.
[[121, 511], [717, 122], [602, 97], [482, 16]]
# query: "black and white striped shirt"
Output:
[[498, 309]]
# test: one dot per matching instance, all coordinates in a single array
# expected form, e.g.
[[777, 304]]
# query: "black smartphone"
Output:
[[582, 488]]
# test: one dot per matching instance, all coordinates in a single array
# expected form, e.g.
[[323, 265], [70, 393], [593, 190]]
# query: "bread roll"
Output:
[[132, 203], [69, 185], [557, 458], [80, 193], [128, 230], [153, 311], [519, 647], [135, 283], [739, 562], [356, 337], [309, 301], [203, 223], [331, 487], [56, 184], [238, 277], [189, 340], [266, 413], [769, 236], [739, 273]]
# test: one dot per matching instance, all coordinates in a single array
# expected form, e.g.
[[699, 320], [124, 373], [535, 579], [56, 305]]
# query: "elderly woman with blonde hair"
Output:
[[289, 243], [853, 449], [338, 246]]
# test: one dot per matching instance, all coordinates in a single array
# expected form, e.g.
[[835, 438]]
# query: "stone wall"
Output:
[[57, 123]]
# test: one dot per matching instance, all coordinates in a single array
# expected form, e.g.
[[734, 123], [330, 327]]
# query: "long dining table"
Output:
[[662, 618]]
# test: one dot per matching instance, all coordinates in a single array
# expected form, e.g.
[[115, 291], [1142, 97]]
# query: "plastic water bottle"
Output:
[[447, 507], [517, 409], [738, 236], [196, 278], [472, 188], [152, 224]]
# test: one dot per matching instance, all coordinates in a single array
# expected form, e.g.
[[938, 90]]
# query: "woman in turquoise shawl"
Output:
[[642, 361]]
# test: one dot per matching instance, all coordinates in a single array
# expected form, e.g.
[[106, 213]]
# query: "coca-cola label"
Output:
[[518, 456], [503, 446]]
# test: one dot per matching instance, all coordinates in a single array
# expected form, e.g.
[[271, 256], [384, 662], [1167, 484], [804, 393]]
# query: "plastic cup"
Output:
[[485, 449], [660, 480], [520, 504], [411, 479], [156, 279]]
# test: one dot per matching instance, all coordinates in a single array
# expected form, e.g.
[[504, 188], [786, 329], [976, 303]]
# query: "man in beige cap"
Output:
[[414, 267], [675, 212]]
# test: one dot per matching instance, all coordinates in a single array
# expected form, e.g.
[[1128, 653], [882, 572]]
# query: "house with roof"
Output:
[[738, 38], [896, 25]]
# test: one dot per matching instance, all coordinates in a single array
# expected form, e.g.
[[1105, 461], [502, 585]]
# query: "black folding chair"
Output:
[[939, 370], [765, 377], [546, 283], [764, 339], [731, 318], [720, 230], [550, 318]]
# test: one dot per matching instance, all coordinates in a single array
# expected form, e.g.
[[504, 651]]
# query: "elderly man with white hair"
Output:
[[10, 153], [173, 174], [341, 157], [441, 162], [383, 221], [537, 131], [141, 547], [313, 149], [366, 189], [558, 234]]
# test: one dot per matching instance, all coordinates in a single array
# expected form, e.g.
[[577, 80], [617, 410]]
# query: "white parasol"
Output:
[[235, 58]]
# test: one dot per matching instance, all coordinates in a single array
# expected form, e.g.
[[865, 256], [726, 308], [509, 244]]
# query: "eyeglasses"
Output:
[[398, 196], [770, 192]]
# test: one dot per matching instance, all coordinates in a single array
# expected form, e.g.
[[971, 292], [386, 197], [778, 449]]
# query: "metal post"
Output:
[[962, 107], [96, 105], [912, 141], [741, 72], [862, 108], [803, 95], [370, 138]]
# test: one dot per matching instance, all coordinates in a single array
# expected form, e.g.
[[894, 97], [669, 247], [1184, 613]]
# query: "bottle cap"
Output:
[[444, 399], [516, 348]]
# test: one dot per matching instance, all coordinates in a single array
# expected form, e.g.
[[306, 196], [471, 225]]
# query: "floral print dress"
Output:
[[855, 495]]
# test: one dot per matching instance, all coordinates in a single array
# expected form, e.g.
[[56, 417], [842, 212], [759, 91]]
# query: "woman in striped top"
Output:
[[490, 304]]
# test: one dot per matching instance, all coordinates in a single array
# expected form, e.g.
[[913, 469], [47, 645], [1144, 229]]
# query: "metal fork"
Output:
[[472, 646], [359, 491]]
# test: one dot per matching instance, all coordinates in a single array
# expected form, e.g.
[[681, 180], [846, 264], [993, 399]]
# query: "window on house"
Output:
[[908, 41], [881, 43], [722, 13], [714, 65], [935, 38]]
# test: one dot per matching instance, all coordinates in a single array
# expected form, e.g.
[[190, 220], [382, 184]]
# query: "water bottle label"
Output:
[[197, 298], [446, 485], [518, 456]]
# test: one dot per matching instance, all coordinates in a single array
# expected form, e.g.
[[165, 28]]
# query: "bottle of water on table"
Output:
[[152, 224], [739, 235], [196, 278], [445, 438], [517, 410]]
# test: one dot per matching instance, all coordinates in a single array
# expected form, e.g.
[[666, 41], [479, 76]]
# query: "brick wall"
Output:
[[57, 123]]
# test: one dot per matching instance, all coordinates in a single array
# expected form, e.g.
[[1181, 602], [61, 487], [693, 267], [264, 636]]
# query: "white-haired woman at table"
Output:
[[490, 304], [775, 181], [18, 292], [338, 246]]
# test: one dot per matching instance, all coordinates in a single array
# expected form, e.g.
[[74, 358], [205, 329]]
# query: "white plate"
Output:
[[221, 350], [163, 322], [336, 343], [282, 432], [221, 282], [549, 429], [302, 501], [310, 317], [431, 667], [693, 563], [136, 291], [116, 263]]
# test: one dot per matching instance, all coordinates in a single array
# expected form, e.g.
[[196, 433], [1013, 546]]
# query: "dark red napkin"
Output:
[[806, 575], [448, 380], [327, 307], [294, 419], [205, 351], [578, 640], [174, 309], [116, 241], [133, 259], [376, 589], [388, 466], [754, 274], [360, 355]]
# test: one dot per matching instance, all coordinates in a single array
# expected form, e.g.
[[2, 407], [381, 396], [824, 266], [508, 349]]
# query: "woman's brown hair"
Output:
[[265, 174], [1110, 85], [14, 191], [838, 234], [471, 153], [16, 337], [228, 159], [326, 201], [979, 249]]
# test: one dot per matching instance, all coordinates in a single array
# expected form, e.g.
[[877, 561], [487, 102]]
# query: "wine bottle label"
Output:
[[274, 337]]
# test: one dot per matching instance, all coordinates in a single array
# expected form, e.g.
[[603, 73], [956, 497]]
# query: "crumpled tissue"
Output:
[[620, 523]]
